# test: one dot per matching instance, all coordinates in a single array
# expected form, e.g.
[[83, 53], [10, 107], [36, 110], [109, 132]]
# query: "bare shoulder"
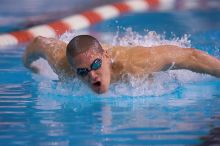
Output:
[[143, 49], [45, 40], [170, 48], [49, 43], [130, 49], [150, 53], [51, 49]]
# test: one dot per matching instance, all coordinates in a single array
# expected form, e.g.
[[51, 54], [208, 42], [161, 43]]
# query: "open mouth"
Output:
[[97, 84]]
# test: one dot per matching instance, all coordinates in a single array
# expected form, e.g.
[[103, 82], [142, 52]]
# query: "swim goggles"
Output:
[[97, 63]]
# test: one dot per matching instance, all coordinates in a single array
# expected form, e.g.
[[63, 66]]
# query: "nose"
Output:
[[93, 75]]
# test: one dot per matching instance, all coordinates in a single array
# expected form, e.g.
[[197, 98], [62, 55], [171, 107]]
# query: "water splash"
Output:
[[149, 39], [44, 69], [67, 37]]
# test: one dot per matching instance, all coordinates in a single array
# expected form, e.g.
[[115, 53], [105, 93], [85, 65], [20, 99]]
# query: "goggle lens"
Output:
[[97, 63]]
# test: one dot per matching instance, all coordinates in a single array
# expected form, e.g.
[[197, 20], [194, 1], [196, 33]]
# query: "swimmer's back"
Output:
[[139, 60]]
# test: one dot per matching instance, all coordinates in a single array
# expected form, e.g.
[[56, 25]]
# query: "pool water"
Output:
[[178, 109]]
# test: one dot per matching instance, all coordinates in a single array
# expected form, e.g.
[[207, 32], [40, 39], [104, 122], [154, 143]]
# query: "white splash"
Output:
[[44, 69], [68, 36], [151, 38]]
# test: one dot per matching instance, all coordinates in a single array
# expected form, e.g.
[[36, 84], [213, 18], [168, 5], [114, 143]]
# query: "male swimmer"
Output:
[[98, 66]]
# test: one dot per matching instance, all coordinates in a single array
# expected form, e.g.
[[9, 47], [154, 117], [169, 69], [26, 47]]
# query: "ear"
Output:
[[106, 54]]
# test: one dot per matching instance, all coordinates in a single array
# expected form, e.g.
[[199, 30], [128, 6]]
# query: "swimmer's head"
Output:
[[90, 62]]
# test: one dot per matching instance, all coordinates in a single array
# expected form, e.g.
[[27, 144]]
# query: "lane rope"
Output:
[[86, 19]]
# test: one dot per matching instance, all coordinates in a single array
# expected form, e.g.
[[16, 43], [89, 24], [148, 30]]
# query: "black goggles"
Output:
[[97, 63]]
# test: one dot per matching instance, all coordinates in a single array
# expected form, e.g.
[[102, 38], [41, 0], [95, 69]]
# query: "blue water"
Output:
[[177, 109]]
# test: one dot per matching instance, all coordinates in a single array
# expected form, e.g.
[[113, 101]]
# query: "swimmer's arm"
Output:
[[53, 50], [189, 58]]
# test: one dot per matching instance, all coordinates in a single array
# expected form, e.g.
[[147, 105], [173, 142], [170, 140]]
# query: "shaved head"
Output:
[[81, 44], [90, 62]]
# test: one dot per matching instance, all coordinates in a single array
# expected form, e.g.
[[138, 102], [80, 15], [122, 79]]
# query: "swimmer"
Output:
[[100, 65]]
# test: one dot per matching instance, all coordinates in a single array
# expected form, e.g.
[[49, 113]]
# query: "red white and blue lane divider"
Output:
[[79, 21], [88, 18]]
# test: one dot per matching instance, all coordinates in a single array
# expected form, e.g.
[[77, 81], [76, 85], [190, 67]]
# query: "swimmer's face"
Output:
[[94, 69]]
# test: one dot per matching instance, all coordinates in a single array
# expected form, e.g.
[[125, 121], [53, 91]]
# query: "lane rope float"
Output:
[[86, 19]]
